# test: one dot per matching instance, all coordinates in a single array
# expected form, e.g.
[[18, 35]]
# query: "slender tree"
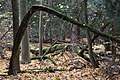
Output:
[[25, 40], [14, 66], [75, 28], [40, 31], [92, 59]]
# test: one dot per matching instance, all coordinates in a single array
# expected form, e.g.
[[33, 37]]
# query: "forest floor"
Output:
[[67, 68]]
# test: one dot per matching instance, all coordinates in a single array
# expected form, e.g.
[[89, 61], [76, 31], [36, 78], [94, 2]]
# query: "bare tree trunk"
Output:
[[40, 32], [51, 33], [25, 40], [113, 45], [92, 58], [14, 66], [63, 31], [75, 28]]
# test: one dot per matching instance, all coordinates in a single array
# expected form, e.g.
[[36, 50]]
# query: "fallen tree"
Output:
[[58, 48], [25, 21], [51, 49]]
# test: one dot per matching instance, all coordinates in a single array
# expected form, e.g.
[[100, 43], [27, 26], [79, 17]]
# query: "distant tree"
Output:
[[113, 13], [75, 28], [25, 40], [112, 8], [40, 32]]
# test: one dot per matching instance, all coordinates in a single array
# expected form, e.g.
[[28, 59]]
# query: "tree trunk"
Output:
[[91, 55], [51, 33], [63, 31], [40, 32], [25, 40], [14, 66], [113, 45], [75, 28]]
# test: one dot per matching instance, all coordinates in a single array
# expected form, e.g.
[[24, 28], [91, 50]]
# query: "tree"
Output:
[[40, 31], [75, 28], [14, 66], [113, 12], [91, 55], [25, 40]]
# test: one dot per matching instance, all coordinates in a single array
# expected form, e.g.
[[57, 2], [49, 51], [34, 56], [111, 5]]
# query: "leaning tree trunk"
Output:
[[25, 40], [91, 55], [23, 27], [14, 66]]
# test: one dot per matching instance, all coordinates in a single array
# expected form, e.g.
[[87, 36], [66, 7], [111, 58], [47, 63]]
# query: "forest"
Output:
[[59, 40]]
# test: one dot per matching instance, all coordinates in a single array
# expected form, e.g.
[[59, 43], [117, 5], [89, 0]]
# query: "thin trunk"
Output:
[[40, 32], [113, 45], [74, 36], [75, 28], [25, 40], [91, 55], [63, 31], [51, 35], [14, 66]]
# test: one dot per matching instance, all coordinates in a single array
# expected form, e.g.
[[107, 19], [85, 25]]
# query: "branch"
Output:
[[46, 70], [43, 57], [6, 33], [101, 29], [93, 38]]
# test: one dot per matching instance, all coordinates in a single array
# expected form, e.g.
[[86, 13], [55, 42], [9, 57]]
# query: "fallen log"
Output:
[[47, 70], [51, 49], [57, 49]]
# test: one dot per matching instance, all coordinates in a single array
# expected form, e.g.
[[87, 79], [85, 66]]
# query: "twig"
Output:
[[92, 75], [48, 69], [83, 61], [43, 57], [5, 33]]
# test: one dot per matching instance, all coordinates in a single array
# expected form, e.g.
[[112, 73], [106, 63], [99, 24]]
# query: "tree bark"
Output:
[[75, 28], [14, 65], [25, 40], [40, 31]]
